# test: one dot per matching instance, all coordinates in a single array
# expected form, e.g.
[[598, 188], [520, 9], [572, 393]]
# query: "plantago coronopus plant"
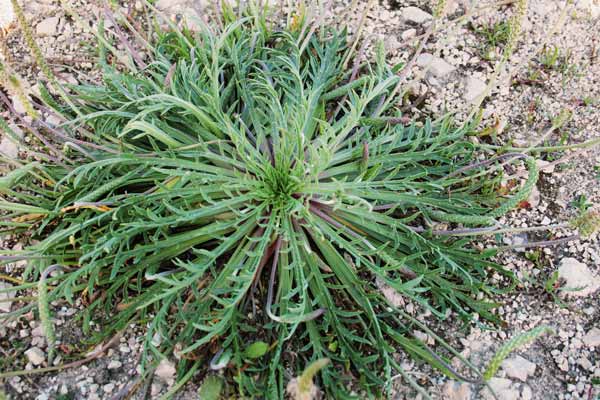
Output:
[[241, 192]]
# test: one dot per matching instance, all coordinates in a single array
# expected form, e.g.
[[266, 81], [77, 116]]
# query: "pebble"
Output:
[[585, 363], [518, 368], [185, 8], [543, 166], [592, 338], [409, 33], [425, 338], [391, 294], [108, 388], [10, 149], [155, 389], [38, 331], [437, 66], [165, 370], [542, 7], [47, 27], [94, 387], [473, 89], [5, 305], [526, 393], [18, 105], [516, 240], [579, 280], [114, 364], [534, 198], [503, 389], [35, 355], [64, 390], [7, 16], [415, 15], [53, 120], [453, 390]]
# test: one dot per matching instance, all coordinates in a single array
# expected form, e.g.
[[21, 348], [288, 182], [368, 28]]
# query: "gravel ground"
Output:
[[554, 72]]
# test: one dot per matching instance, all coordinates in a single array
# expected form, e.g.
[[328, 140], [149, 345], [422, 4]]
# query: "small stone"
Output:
[[542, 8], [18, 105], [589, 311], [184, 9], [7, 15], [516, 240], [518, 367], [585, 363], [423, 337], [545, 166], [57, 360], [453, 390], [503, 389], [64, 390], [165, 370], [579, 280], [436, 65], [68, 78], [156, 339], [390, 293], [546, 221], [386, 15], [473, 89], [534, 198], [526, 393], [415, 15], [4, 304], [114, 364], [38, 331], [35, 355], [10, 149], [392, 44], [592, 338], [48, 27], [155, 389], [409, 34], [108, 388], [53, 120]]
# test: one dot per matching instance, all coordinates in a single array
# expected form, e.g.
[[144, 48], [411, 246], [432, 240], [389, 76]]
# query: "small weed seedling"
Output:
[[581, 203], [494, 35], [589, 101], [552, 58]]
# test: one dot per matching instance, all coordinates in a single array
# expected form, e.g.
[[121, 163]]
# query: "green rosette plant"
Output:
[[250, 183]]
